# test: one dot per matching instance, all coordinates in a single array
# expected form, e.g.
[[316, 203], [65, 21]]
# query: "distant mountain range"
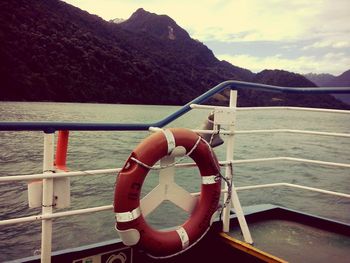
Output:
[[52, 51], [328, 80]]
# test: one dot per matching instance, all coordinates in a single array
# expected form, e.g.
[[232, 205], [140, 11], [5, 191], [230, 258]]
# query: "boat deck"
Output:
[[298, 237], [214, 247], [295, 242]]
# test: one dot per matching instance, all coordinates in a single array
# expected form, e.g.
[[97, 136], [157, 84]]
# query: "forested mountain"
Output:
[[52, 51]]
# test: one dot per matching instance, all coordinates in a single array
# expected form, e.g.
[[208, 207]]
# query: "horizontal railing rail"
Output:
[[50, 127], [211, 107], [321, 133], [30, 177], [89, 210], [251, 187]]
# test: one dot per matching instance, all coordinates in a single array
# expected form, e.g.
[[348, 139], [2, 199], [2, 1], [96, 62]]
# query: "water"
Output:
[[21, 153]]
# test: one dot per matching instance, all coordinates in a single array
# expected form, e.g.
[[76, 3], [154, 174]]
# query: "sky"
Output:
[[301, 36]]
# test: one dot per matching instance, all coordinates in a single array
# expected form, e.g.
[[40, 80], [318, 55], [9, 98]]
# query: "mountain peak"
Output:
[[160, 26], [140, 11]]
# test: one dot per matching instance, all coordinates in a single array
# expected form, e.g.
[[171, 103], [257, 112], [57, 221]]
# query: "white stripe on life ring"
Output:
[[128, 216], [185, 241], [170, 140], [211, 179]]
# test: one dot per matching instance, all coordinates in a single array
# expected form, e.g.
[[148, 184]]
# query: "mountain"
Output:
[[320, 80], [289, 79], [328, 80], [324, 80], [56, 52], [52, 51], [342, 80]]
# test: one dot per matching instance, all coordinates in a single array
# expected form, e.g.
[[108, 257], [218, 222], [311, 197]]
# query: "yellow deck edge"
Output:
[[250, 249]]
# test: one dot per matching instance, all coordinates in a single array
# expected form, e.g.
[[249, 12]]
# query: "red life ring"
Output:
[[130, 223]]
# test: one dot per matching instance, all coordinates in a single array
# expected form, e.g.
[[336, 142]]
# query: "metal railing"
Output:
[[49, 128]]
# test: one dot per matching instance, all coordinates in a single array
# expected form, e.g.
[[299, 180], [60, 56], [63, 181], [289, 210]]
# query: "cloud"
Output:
[[328, 63], [328, 43], [107, 9], [243, 20]]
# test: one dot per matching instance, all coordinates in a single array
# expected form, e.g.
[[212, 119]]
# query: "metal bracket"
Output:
[[225, 116], [167, 189]]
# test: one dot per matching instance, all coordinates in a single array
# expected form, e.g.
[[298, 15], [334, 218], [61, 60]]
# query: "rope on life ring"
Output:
[[130, 222]]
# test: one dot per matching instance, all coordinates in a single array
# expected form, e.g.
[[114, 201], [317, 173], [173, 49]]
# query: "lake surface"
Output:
[[21, 153]]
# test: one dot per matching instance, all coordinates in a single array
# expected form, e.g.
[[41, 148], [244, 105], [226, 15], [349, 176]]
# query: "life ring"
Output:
[[130, 223]]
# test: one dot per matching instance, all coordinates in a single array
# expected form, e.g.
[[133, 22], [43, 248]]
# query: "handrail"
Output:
[[51, 127], [113, 171], [293, 108], [88, 210]]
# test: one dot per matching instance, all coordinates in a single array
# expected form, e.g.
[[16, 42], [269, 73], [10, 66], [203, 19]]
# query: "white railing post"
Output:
[[228, 173], [229, 157], [47, 206]]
